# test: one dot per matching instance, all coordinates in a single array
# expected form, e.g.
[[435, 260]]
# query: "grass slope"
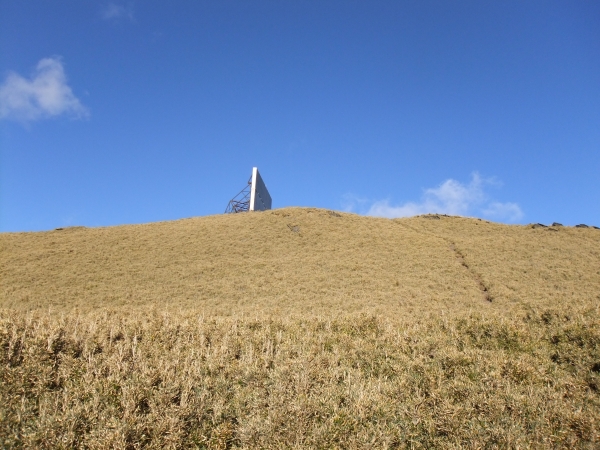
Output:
[[301, 328]]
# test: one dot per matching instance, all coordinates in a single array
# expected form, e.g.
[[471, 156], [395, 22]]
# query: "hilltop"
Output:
[[302, 260], [301, 328]]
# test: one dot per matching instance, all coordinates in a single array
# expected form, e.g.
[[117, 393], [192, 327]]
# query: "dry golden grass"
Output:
[[301, 328]]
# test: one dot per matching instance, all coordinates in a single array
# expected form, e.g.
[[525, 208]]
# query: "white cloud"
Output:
[[45, 95], [509, 211], [450, 197], [115, 12], [351, 201]]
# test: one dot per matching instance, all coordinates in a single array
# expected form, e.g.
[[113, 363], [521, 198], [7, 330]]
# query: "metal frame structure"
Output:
[[241, 202], [254, 197]]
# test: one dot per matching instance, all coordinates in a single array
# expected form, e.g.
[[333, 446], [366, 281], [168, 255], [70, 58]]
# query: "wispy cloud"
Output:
[[114, 11], [451, 197], [509, 211], [353, 203], [46, 94]]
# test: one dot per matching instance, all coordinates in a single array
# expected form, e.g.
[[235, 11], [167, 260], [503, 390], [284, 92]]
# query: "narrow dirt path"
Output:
[[461, 259]]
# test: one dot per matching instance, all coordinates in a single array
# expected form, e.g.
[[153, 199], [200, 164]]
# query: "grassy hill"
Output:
[[301, 327]]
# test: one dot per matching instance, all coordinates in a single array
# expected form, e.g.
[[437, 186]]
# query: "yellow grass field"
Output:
[[301, 328]]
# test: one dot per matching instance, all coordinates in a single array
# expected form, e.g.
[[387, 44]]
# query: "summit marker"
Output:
[[254, 197]]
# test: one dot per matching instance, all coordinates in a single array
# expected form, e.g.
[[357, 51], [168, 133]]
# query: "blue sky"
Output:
[[131, 112]]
